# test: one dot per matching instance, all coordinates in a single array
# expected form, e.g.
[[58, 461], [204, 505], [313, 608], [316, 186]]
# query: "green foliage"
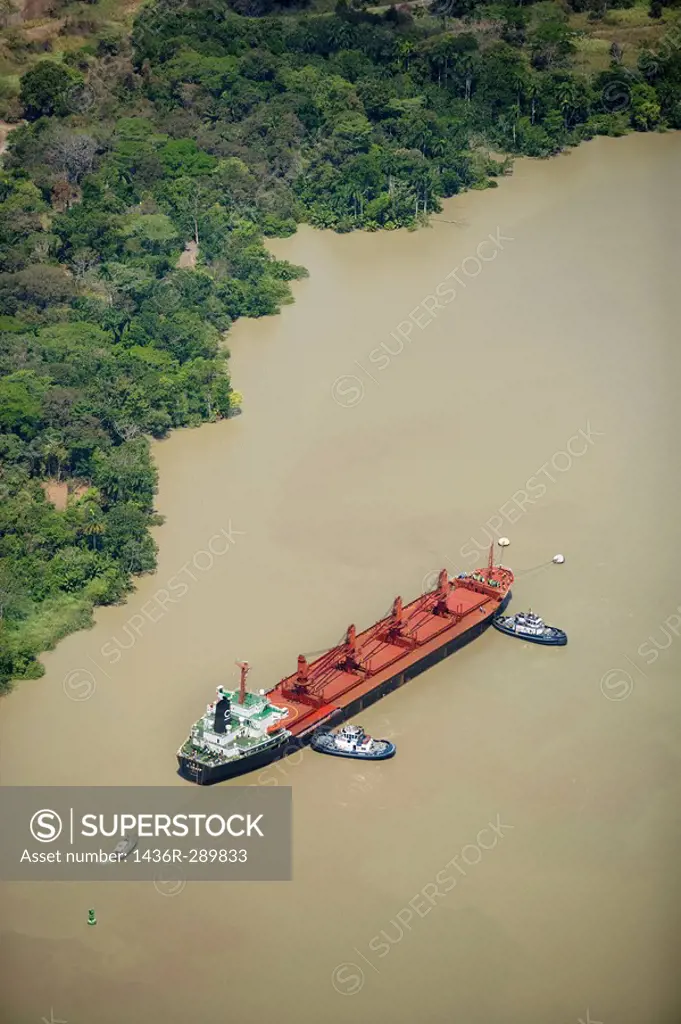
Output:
[[551, 39], [20, 403], [218, 124], [46, 89], [125, 473], [182, 157], [645, 108]]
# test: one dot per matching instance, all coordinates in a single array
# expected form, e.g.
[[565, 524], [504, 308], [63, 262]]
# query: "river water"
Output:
[[539, 402]]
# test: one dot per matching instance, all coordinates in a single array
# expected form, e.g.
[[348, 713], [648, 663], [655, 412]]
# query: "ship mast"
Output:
[[490, 564], [245, 669]]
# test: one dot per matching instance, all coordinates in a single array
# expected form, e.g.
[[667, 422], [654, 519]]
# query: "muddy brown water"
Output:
[[541, 403]]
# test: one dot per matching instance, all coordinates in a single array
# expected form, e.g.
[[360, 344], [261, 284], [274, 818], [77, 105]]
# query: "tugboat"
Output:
[[526, 626], [127, 844], [352, 741]]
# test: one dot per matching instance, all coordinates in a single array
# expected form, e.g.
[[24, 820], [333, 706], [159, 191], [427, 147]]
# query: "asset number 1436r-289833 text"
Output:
[[189, 856]]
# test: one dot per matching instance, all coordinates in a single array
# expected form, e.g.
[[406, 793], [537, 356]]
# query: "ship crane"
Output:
[[442, 593], [311, 680], [398, 632], [363, 656]]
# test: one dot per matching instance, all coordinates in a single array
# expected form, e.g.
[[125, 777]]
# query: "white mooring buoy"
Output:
[[503, 542], [559, 559]]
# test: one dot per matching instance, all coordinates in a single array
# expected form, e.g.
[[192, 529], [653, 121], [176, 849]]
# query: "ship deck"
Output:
[[371, 659]]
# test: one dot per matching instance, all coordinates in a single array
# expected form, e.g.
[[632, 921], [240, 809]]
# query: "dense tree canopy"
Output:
[[45, 89]]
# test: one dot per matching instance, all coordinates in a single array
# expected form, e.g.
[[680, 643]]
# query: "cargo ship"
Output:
[[241, 731]]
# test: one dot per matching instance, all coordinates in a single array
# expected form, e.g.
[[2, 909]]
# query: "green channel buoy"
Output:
[[91, 919]]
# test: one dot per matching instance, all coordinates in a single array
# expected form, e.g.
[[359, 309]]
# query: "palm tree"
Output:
[[440, 61], [55, 455], [93, 527], [515, 113], [567, 97], [467, 66], [424, 139], [438, 149], [406, 49], [519, 84], [532, 92], [358, 201]]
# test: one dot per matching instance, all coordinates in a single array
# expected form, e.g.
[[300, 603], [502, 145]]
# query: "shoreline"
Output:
[[82, 610]]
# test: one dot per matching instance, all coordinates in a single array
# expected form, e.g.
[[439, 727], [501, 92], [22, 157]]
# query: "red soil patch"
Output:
[[187, 260], [58, 492]]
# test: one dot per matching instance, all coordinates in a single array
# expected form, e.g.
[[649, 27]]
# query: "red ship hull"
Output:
[[394, 650], [368, 665]]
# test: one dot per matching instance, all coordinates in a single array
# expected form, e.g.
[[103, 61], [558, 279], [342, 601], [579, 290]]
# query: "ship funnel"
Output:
[[223, 713]]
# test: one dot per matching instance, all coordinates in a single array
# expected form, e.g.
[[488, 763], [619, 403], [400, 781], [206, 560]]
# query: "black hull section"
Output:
[[219, 773], [207, 775], [356, 757], [558, 639]]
